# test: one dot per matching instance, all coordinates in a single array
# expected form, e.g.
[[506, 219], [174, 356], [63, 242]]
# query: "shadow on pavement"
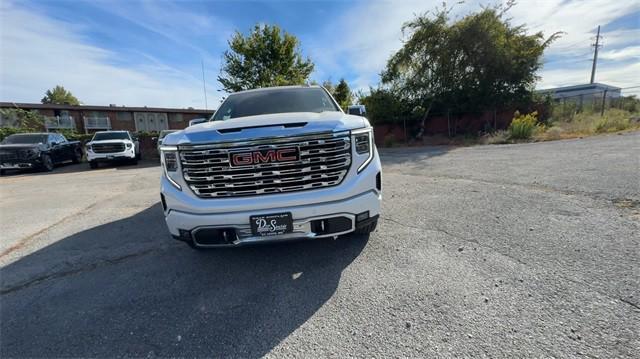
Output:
[[127, 289]]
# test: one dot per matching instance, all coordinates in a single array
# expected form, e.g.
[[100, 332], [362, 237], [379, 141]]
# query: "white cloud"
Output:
[[38, 52], [364, 45], [627, 53]]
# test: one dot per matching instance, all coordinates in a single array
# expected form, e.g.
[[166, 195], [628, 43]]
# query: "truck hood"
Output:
[[264, 126], [109, 141]]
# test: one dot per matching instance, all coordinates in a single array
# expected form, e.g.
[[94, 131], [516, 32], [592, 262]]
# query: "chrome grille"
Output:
[[14, 155], [324, 162], [108, 147]]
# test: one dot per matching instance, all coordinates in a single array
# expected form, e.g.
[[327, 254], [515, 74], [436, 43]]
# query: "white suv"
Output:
[[112, 146], [272, 164]]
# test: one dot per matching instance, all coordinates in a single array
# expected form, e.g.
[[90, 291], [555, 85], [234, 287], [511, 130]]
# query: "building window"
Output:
[[175, 117], [124, 116]]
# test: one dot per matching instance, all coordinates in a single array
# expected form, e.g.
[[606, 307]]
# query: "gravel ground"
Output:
[[504, 251]]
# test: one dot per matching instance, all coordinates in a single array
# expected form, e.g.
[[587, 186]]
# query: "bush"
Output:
[[389, 140], [498, 138], [524, 126], [6, 131], [608, 124]]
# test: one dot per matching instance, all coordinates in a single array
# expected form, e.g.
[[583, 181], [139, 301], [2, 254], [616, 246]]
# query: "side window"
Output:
[[61, 138], [51, 138]]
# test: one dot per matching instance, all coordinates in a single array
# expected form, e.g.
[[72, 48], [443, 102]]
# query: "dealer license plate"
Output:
[[271, 224]]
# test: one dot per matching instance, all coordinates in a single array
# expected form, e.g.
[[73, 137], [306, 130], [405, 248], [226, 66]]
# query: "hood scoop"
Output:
[[240, 129]]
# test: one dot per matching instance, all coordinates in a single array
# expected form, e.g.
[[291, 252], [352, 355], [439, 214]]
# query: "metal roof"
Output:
[[593, 86]]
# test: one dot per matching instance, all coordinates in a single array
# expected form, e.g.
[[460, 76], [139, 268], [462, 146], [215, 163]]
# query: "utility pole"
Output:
[[204, 87], [595, 55], [604, 100]]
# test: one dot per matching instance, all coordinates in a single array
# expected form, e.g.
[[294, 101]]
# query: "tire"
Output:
[[2, 172], [47, 163], [93, 165], [367, 229], [134, 161], [139, 156], [77, 156]]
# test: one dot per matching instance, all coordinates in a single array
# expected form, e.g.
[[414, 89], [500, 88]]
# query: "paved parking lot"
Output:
[[513, 250]]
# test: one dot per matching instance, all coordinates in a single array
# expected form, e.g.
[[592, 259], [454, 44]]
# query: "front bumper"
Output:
[[359, 193], [20, 164], [126, 154], [308, 221]]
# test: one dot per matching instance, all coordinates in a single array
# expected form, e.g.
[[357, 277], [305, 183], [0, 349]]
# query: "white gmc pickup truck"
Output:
[[108, 146], [272, 164]]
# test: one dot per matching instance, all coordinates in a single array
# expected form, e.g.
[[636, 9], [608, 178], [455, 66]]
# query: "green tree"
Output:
[[476, 63], [265, 57], [342, 94], [384, 105], [21, 121], [329, 86], [59, 96]]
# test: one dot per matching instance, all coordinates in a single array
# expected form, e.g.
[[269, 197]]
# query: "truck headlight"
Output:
[[363, 144], [170, 161], [89, 148], [170, 165], [129, 145]]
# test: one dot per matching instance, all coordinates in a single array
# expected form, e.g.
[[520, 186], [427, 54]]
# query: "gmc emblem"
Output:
[[264, 156]]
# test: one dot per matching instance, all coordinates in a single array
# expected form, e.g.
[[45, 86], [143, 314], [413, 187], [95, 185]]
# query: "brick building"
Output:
[[88, 119]]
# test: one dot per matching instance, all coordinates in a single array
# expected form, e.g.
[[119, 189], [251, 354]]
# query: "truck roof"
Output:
[[277, 88]]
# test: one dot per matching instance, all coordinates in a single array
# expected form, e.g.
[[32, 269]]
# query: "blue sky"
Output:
[[150, 52]]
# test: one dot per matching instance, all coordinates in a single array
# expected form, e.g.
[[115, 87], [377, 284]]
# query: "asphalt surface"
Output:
[[505, 251]]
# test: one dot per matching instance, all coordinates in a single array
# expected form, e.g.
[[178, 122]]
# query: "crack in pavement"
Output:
[[23, 241], [26, 239], [85, 268]]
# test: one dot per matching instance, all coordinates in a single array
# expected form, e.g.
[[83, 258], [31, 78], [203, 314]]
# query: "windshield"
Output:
[[283, 100], [101, 136], [16, 139]]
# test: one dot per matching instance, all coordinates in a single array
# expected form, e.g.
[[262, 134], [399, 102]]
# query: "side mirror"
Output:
[[53, 144], [154, 138]]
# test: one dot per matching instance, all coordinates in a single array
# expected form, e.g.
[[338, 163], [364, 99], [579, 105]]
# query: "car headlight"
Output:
[[170, 164], [363, 146]]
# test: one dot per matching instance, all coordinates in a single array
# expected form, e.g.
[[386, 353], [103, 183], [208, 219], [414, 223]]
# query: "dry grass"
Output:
[[588, 124]]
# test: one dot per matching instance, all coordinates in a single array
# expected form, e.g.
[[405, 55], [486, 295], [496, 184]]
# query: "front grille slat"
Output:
[[324, 162], [108, 147]]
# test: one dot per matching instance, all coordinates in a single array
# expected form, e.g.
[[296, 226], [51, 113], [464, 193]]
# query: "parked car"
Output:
[[358, 110], [161, 136], [37, 150], [274, 164], [108, 146]]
